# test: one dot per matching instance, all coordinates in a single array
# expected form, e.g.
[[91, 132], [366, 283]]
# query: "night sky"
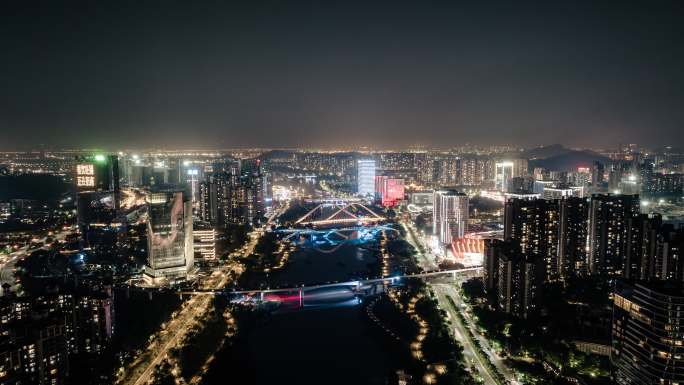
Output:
[[195, 74]]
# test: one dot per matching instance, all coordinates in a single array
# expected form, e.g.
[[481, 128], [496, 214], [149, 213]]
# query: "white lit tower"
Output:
[[365, 177], [502, 175], [450, 215]]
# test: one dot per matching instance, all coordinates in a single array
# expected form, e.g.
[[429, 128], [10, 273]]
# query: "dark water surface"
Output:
[[326, 342]]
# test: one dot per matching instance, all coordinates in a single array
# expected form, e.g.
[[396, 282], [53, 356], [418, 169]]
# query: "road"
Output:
[[140, 371], [460, 333], [8, 263], [191, 312], [445, 291], [426, 261]]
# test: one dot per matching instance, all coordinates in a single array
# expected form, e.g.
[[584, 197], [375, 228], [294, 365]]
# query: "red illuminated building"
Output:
[[389, 191]]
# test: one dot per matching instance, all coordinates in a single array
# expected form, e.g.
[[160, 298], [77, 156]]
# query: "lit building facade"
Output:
[[503, 172], [425, 168], [40, 334], [659, 184], [97, 201], [204, 243], [169, 238], [609, 217], [572, 241], [533, 223], [475, 170], [511, 277], [468, 251], [648, 333], [365, 177], [389, 191], [226, 198], [450, 215], [207, 208]]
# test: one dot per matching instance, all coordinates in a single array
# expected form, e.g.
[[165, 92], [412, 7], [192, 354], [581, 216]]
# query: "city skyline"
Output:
[[348, 245], [313, 192]]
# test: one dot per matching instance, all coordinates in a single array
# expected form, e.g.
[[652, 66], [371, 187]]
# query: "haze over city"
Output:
[[299, 74]]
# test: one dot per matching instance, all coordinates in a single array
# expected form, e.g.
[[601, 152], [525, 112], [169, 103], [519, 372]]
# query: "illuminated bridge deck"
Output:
[[389, 280]]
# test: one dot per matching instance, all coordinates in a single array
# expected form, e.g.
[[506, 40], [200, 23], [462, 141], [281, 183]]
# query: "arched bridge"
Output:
[[340, 232], [339, 212]]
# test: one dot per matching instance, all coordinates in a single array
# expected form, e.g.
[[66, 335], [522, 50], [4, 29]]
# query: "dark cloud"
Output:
[[277, 73]]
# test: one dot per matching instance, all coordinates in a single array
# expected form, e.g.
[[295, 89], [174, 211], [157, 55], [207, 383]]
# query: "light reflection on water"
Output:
[[327, 340]]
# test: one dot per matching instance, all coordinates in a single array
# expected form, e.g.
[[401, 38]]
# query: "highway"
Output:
[[469, 351], [190, 314], [445, 291], [426, 260]]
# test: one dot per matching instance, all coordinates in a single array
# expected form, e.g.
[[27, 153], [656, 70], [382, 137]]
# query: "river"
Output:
[[327, 341]]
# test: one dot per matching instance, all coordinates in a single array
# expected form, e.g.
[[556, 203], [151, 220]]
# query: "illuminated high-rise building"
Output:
[[226, 198], [668, 263], [647, 333], [490, 263], [93, 321], [640, 245], [98, 199], [169, 238], [365, 177], [447, 170], [468, 171], [204, 242], [609, 218], [533, 223], [503, 172], [192, 180], [510, 277], [41, 333], [5, 211], [659, 184], [520, 167], [97, 178], [572, 242], [98, 173], [517, 284], [450, 215], [389, 191], [425, 168], [208, 201]]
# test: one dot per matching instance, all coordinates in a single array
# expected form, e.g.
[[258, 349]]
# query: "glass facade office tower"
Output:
[[97, 201], [648, 333], [169, 238]]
